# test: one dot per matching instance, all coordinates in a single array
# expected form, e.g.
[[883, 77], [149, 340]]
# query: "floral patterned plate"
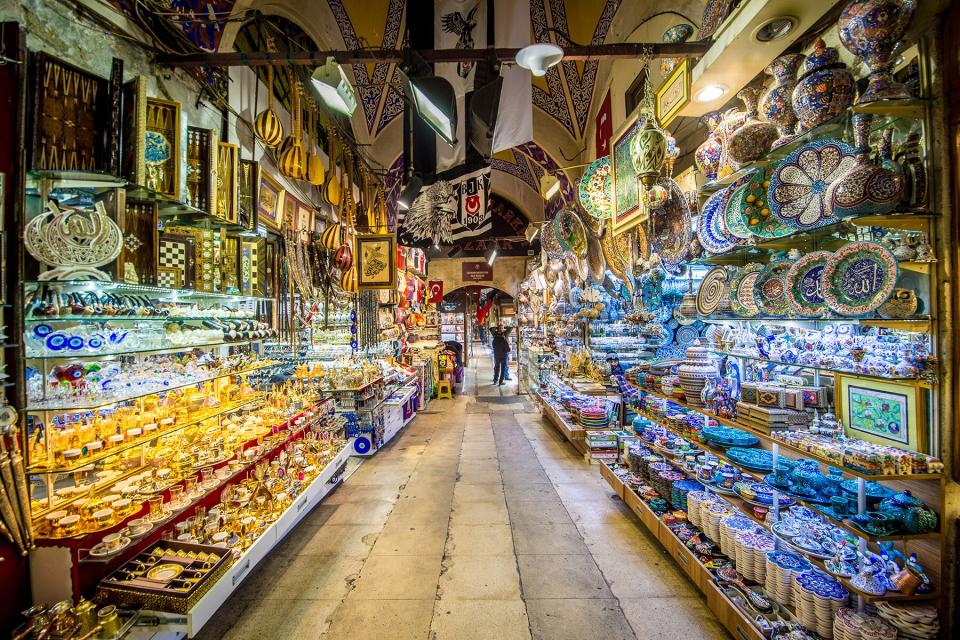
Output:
[[670, 232], [859, 278], [713, 288], [712, 228], [596, 189], [741, 291], [805, 284], [733, 216], [770, 288], [798, 186], [755, 213], [686, 335]]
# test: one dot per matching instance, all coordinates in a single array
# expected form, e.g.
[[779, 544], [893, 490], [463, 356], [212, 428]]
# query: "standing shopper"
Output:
[[501, 352]]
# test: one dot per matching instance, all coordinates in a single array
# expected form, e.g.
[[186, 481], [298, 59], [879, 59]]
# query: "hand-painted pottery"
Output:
[[859, 278], [755, 212], [742, 300], [866, 188], [870, 29], [713, 288], [804, 285], [713, 14], [648, 151], [617, 251], [674, 35], [686, 336], [825, 88], [596, 189], [711, 237], [903, 303], [733, 216], [571, 232], [670, 231], [770, 289], [550, 243], [777, 105], [798, 187], [752, 139], [910, 159], [708, 154]]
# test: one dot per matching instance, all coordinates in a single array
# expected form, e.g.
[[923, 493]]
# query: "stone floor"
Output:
[[478, 522]]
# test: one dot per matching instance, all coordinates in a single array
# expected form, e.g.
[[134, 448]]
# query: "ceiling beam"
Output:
[[616, 51]]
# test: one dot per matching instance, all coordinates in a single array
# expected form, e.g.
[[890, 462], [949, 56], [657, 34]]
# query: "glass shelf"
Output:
[[106, 319], [813, 367], [164, 294], [71, 355], [915, 324]]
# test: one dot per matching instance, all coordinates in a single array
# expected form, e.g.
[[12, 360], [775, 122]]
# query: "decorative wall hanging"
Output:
[[825, 87], [201, 153], [626, 186], [709, 231], [138, 258], [73, 242], [270, 202], [674, 92], [248, 183], [882, 412], [617, 251], [596, 189], [799, 186], [376, 259], [71, 110], [804, 285], [570, 231], [770, 289], [742, 301], [670, 231], [161, 146], [225, 182], [713, 289], [859, 277], [871, 30], [733, 215], [713, 14]]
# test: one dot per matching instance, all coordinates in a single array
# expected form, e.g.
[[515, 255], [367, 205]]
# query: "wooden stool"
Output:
[[444, 389]]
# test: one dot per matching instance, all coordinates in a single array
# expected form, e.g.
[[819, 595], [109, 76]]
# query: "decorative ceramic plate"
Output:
[[756, 214], [712, 238], [798, 186], [713, 14], [165, 572], [548, 239], [741, 291], [713, 288], [571, 232], [596, 188], [770, 288], [686, 335], [805, 285], [753, 459], [670, 232], [733, 215], [859, 277], [616, 251]]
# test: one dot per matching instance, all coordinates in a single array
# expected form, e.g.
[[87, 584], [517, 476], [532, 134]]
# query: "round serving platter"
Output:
[[859, 278]]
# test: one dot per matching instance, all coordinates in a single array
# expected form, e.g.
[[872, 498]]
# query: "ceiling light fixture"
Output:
[[493, 256], [710, 93], [410, 192], [539, 57], [334, 88], [549, 186], [774, 28], [436, 103]]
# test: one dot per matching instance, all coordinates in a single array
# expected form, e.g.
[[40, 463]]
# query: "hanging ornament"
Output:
[[330, 238], [648, 150], [344, 257], [596, 189], [267, 125], [313, 164], [348, 281]]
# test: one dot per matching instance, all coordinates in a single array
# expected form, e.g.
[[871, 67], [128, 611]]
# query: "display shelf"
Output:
[[917, 324], [93, 405], [574, 433], [165, 294], [799, 365], [109, 453], [108, 319], [807, 454], [73, 355]]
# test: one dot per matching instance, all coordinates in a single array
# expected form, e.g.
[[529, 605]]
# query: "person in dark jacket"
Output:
[[501, 353]]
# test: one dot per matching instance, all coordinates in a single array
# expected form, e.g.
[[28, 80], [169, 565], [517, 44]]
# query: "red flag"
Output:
[[436, 292]]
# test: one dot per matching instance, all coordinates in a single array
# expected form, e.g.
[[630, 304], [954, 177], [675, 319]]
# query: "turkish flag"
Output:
[[436, 291], [604, 128]]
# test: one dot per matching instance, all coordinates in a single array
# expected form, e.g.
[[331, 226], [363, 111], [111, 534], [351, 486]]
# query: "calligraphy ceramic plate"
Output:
[[756, 214], [741, 291], [711, 237], [733, 215], [859, 277], [596, 189], [670, 232], [713, 288], [770, 288], [805, 285], [686, 335], [798, 186]]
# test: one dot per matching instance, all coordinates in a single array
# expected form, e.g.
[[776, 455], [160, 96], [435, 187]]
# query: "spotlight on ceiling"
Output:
[[539, 57], [532, 231], [493, 256], [436, 102], [334, 88], [549, 186], [774, 28], [410, 192], [710, 93]]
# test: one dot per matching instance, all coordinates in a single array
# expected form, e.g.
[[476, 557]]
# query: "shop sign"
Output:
[[477, 272]]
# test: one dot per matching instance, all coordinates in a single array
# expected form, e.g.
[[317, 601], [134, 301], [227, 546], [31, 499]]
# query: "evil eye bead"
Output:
[[75, 343], [353, 329], [353, 316], [42, 330], [56, 342], [354, 344], [95, 343]]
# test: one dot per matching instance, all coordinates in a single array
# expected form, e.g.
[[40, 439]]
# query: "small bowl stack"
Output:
[[854, 625], [681, 491], [751, 554], [817, 598], [711, 514], [730, 528], [782, 566], [913, 621], [695, 502], [593, 418]]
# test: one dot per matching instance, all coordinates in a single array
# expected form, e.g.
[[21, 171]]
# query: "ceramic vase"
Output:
[[825, 87], [674, 35], [777, 105], [910, 160], [707, 155], [870, 29], [694, 372], [867, 188], [648, 150], [752, 139]]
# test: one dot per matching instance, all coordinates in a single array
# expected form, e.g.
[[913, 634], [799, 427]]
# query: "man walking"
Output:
[[501, 353]]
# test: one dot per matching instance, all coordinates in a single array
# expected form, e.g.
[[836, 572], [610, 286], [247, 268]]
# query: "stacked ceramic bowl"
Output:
[[593, 418], [782, 567], [913, 621], [854, 625], [817, 598], [695, 502], [711, 514], [730, 528], [751, 554], [681, 492]]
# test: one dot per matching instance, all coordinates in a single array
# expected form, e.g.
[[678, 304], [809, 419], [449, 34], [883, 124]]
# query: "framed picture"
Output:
[[304, 217], [673, 93], [627, 211], [290, 208], [248, 179], [225, 183], [886, 413], [270, 202], [376, 257]]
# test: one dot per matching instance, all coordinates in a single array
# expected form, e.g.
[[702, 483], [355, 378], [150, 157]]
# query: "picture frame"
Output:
[[376, 259], [627, 209], [290, 208], [673, 94], [161, 150], [304, 217], [885, 412], [225, 182], [270, 197], [248, 187]]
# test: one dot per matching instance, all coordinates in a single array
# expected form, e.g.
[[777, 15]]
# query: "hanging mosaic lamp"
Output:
[[596, 189], [648, 150]]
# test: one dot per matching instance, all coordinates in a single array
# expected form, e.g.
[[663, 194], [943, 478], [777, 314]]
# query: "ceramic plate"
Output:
[[712, 290], [859, 277], [616, 250], [798, 186], [681, 319], [713, 14], [686, 336], [770, 288], [733, 215], [670, 232], [571, 233], [596, 187], [741, 291], [712, 238], [805, 285], [756, 214]]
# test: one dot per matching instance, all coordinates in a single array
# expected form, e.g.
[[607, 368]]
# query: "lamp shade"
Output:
[[539, 57], [331, 83]]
